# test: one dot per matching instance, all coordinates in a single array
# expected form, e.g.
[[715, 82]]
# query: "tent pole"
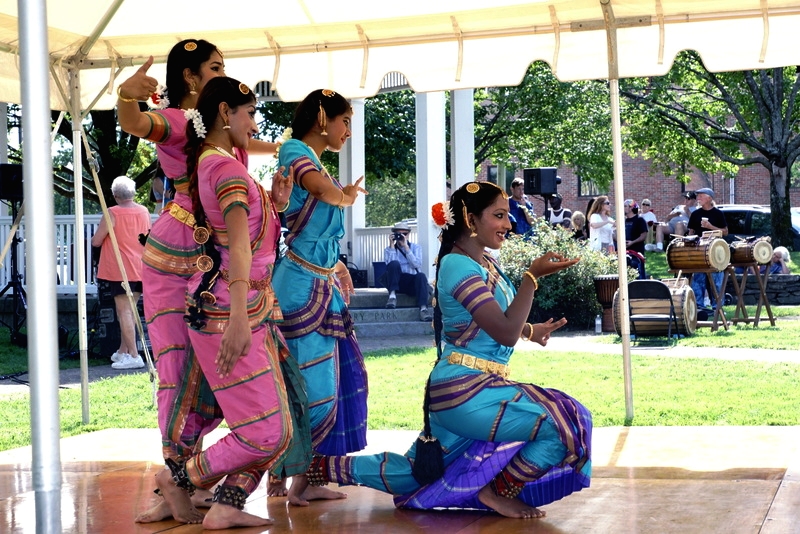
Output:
[[80, 236], [619, 198], [40, 267]]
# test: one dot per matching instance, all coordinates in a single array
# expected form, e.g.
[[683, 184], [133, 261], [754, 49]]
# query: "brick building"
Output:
[[751, 186]]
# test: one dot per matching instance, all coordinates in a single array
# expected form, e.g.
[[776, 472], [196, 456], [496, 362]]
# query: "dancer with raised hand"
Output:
[[314, 287], [488, 442], [232, 311]]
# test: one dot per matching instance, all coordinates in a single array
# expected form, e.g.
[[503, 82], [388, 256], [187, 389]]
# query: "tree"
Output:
[[720, 122], [546, 123]]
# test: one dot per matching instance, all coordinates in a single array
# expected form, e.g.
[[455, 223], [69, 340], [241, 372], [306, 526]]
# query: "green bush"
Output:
[[569, 293]]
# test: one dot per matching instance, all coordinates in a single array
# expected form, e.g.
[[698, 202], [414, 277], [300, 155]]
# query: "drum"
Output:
[[749, 251], [685, 309], [698, 254], [605, 286]]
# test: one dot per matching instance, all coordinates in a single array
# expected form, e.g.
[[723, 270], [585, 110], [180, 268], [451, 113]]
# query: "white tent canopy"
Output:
[[348, 46]]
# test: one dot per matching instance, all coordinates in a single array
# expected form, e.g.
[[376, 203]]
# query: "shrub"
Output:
[[569, 293]]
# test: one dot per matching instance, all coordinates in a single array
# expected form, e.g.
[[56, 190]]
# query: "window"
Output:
[[587, 188]]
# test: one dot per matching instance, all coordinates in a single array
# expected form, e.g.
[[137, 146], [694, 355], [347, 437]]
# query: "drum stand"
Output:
[[739, 289], [719, 313]]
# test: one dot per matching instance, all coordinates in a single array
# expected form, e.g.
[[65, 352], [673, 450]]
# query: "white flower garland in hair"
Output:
[[159, 98], [193, 115], [285, 136]]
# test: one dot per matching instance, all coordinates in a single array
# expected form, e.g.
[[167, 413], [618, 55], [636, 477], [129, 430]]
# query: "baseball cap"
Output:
[[690, 194], [705, 191]]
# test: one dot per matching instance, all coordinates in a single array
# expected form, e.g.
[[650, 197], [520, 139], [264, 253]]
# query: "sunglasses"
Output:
[[607, 203], [645, 204]]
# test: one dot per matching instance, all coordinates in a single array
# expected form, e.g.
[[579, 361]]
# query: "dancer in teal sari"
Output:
[[313, 287], [488, 442]]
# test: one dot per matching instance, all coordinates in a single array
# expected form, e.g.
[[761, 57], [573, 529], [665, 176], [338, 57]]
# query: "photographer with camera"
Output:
[[403, 262]]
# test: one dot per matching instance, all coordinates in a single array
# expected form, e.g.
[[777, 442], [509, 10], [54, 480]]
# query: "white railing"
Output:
[[368, 245]]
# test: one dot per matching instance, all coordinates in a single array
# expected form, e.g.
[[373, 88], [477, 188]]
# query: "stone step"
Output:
[[374, 298], [394, 330]]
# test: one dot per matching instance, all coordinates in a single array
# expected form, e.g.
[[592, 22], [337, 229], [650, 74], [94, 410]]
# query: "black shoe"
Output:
[[391, 303]]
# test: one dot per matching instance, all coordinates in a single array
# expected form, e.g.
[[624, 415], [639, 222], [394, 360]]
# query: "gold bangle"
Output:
[[245, 280], [284, 208], [119, 95], [341, 202], [530, 332], [533, 279]]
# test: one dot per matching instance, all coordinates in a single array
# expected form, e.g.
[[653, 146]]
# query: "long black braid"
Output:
[[216, 91], [429, 459]]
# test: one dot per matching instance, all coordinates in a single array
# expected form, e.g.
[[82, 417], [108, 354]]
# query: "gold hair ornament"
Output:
[[466, 219], [328, 93], [244, 89], [322, 119], [472, 188], [191, 46]]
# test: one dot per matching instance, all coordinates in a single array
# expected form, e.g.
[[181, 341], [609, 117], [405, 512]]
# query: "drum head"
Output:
[[762, 251], [719, 254]]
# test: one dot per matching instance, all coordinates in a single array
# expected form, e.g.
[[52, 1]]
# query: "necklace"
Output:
[[221, 150]]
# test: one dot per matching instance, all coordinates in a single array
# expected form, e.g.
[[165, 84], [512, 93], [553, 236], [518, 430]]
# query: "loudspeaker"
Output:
[[540, 181], [11, 182]]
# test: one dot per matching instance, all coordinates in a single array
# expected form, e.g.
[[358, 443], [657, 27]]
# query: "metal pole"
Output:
[[40, 232]]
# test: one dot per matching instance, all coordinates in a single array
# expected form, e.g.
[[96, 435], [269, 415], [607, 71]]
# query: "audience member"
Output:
[[780, 257], [675, 223], [520, 208], [652, 221], [557, 214], [403, 263], [601, 225], [579, 226], [635, 234]]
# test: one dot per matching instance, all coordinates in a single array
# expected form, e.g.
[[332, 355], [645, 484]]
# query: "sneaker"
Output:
[[117, 357], [391, 303], [660, 247], [649, 247], [426, 315], [129, 362]]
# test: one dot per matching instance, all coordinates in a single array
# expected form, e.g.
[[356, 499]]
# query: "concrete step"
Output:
[[373, 298], [394, 330]]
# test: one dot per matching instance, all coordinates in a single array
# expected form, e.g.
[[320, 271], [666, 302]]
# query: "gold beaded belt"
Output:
[[484, 366], [259, 285], [316, 269], [182, 215]]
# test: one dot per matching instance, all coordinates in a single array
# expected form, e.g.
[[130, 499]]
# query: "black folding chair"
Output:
[[647, 302]]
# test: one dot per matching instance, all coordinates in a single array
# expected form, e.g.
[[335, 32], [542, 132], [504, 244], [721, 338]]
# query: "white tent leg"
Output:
[[41, 269]]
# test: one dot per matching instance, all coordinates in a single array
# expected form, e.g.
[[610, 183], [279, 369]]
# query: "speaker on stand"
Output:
[[11, 192]]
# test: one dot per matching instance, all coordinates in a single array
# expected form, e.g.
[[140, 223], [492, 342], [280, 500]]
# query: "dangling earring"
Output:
[[227, 126], [466, 220], [322, 119], [192, 89]]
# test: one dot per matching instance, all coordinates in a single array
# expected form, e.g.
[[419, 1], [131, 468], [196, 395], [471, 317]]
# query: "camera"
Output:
[[397, 236]]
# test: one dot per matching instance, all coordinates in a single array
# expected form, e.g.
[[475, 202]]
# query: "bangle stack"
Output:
[[533, 279], [530, 332], [122, 98]]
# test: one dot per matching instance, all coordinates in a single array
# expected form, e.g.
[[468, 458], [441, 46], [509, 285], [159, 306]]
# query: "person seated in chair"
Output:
[[403, 262]]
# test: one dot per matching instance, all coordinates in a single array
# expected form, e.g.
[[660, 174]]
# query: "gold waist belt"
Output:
[[316, 269], [259, 285], [484, 366], [180, 214]]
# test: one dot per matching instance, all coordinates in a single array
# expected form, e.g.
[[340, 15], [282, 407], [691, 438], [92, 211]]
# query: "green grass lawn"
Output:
[[666, 391], [656, 264]]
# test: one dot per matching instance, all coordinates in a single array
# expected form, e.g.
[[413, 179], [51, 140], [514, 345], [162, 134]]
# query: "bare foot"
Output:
[[177, 499], [508, 507], [159, 512], [222, 516], [321, 493], [202, 498], [299, 485], [276, 487]]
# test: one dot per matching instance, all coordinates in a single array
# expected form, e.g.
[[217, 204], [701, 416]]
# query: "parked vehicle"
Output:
[[745, 220]]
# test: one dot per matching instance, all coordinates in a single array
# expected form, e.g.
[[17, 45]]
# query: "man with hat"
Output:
[[707, 217], [403, 263], [675, 223]]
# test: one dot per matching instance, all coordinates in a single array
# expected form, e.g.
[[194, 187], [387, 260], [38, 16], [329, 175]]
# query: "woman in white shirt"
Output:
[[601, 225]]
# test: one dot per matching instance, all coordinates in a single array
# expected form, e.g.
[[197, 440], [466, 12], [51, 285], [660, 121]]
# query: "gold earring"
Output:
[[227, 126], [192, 89], [466, 221], [322, 118]]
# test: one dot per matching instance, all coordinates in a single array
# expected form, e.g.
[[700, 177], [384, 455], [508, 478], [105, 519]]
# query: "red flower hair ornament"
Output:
[[442, 215]]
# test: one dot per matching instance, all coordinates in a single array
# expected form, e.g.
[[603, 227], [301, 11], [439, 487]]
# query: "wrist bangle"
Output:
[[530, 332], [245, 280], [533, 279], [341, 202], [119, 95], [284, 208]]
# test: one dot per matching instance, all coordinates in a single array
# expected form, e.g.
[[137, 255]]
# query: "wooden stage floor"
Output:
[[646, 480]]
